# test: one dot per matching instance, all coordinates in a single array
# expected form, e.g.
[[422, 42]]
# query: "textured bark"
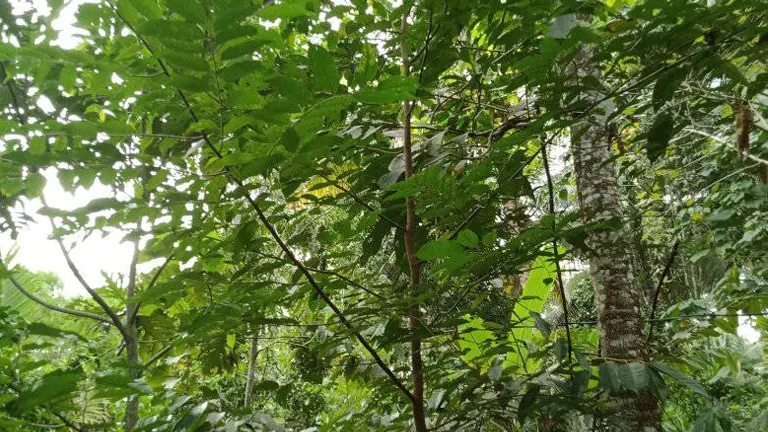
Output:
[[618, 296]]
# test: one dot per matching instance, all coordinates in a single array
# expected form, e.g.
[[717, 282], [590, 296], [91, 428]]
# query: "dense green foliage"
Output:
[[254, 154]]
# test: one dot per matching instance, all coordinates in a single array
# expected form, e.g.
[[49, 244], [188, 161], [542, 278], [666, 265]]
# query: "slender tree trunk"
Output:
[[131, 340], [132, 353], [618, 296], [253, 353], [414, 265]]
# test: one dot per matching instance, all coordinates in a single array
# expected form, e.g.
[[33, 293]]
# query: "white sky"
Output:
[[94, 255]]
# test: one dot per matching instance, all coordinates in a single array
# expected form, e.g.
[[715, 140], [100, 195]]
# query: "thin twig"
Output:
[[158, 356], [76, 272], [53, 307], [152, 283], [667, 266], [560, 283], [328, 272]]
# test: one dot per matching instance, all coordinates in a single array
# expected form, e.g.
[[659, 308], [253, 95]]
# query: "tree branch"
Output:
[[152, 283], [53, 307], [76, 272], [158, 355], [328, 272]]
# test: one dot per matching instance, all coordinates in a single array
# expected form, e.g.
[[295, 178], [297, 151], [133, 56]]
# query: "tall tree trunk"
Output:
[[253, 352], [414, 265], [618, 296]]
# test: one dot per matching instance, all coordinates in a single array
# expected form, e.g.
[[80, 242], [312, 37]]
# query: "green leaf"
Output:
[[191, 84], [35, 184], [438, 249], [191, 10], [171, 29], [86, 176], [42, 329], [661, 132], [666, 86], [52, 387], [721, 215], [68, 78], [680, 377], [37, 145], [267, 385], [245, 234], [189, 61], [237, 158], [468, 238], [528, 403], [633, 376], [286, 10], [118, 385], [326, 76], [147, 8], [192, 419], [236, 32], [393, 89], [241, 49], [544, 327], [290, 140], [705, 422], [238, 123], [728, 69], [608, 374]]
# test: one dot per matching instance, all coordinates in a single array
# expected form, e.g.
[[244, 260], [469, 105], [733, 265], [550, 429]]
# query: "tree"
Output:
[[618, 296]]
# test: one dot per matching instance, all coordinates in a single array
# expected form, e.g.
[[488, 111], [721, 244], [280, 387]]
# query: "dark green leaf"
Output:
[[468, 238], [326, 76], [191, 10], [680, 377], [661, 132], [393, 89], [666, 86], [52, 387]]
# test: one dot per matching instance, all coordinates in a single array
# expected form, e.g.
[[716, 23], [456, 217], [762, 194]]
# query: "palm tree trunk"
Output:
[[618, 296]]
